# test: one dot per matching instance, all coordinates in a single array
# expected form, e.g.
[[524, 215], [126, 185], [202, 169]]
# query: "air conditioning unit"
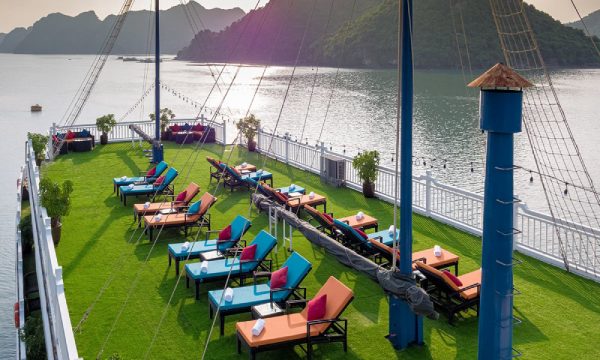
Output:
[[333, 170]]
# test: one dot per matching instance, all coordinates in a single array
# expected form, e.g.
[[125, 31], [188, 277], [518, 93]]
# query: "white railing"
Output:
[[58, 332], [457, 207], [20, 293]]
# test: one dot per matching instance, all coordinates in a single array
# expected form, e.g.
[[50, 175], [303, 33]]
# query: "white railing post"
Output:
[[258, 139], [286, 136], [516, 206], [224, 133], [428, 192]]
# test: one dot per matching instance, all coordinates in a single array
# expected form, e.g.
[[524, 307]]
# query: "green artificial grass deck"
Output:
[[102, 247]]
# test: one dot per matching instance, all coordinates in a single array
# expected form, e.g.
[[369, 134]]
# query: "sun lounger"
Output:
[[215, 170], [324, 220], [427, 256], [221, 268], [179, 252], [294, 329], [353, 238], [142, 178], [234, 179], [173, 206], [164, 187], [247, 296], [449, 296], [185, 218], [295, 203]]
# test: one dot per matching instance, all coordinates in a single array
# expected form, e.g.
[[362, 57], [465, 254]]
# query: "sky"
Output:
[[25, 12]]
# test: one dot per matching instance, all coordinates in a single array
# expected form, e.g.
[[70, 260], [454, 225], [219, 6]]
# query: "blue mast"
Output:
[[157, 149], [501, 105], [405, 326]]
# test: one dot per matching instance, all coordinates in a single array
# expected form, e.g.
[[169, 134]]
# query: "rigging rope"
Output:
[[555, 151]]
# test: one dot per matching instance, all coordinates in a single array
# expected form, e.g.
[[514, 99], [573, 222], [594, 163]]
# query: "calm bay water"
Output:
[[361, 116]]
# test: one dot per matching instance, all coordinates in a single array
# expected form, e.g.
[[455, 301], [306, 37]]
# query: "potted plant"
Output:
[[166, 115], [57, 201], [39, 143], [105, 124], [249, 126], [366, 164]]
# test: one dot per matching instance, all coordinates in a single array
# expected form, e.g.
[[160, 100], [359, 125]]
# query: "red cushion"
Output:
[[452, 278], [159, 180], [317, 308], [225, 234], [281, 196], [151, 172], [279, 278], [236, 171], [248, 253], [362, 233], [328, 217], [176, 128], [70, 135], [55, 138], [197, 127], [181, 196]]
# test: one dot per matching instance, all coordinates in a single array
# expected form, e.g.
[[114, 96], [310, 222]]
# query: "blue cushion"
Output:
[[84, 133], [194, 208], [61, 136]]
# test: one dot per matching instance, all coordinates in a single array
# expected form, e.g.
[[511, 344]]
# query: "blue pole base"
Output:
[[406, 328], [157, 154]]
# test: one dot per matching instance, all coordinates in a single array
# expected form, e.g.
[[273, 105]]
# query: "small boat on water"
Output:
[[36, 108]]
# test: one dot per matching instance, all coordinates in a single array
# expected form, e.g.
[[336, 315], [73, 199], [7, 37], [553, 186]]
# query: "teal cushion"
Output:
[[194, 208]]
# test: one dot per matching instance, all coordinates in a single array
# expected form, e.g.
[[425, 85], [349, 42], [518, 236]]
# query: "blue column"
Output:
[[501, 117], [405, 326], [157, 150]]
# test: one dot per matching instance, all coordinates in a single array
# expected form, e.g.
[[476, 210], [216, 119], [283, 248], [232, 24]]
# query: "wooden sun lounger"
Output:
[[139, 210], [446, 260], [294, 329], [183, 219], [446, 295]]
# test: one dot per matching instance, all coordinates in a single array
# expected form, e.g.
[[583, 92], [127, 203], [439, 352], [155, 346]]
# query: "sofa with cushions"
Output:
[[70, 143], [196, 132]]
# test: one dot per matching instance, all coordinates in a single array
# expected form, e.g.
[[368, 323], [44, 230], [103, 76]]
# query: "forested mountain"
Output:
[[84, 33], [371, 39], [2, 35], [592, 21], [278, 25]]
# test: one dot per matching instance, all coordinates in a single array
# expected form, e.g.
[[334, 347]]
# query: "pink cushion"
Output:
[[279, 278], [159, 180], [248, 253], [225, 234], [328, 217], [151, 172], [176, 128], [362, 233], [181, 196], [317, 308], [452, 278]]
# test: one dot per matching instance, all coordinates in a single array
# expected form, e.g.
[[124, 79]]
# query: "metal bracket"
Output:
[[506, 169], [517, 321], [514, 263], [514, 201], [512, 233], [516, 353]]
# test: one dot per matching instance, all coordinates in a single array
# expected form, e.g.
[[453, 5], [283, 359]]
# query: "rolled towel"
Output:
[[131, 186], [360, 215], [123, 178], [185, 246], [292, 188], [158, 217], [228, 294], [258, 327], [146, 204], [204, 267], [259, 171], [391, 230], [437, 251], [311, 195], [244, 164]]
